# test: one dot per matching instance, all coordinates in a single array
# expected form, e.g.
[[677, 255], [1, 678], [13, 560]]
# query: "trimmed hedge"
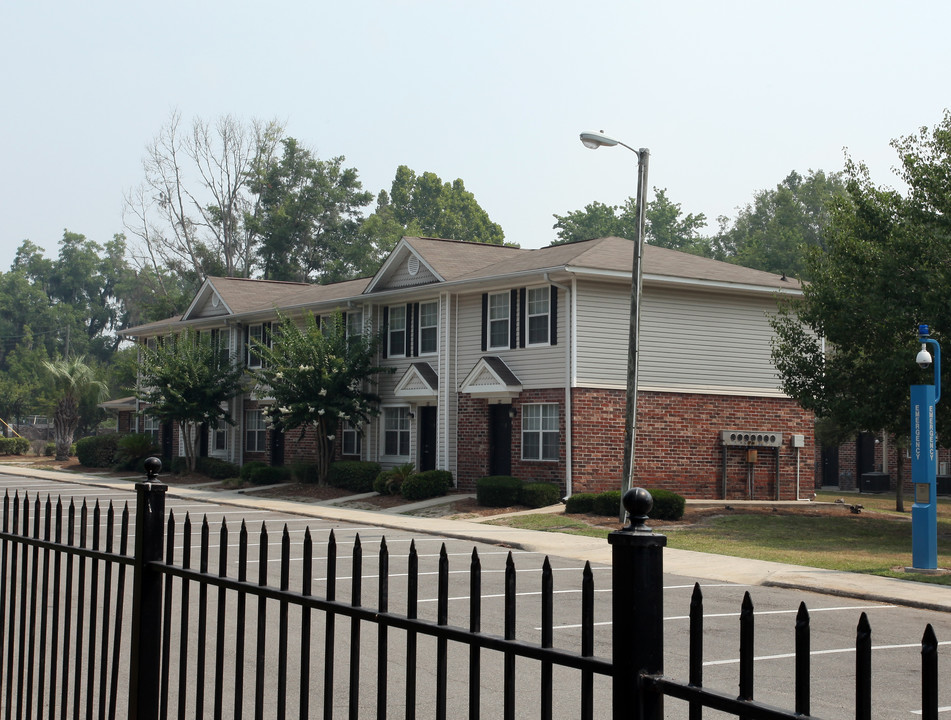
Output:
[[97, 451], [539, 494], [427, 484], [270, 475], [216, 468], [355, 475], [14, 446], [304, 472], [668, 505], [608, 503], [249, 468], [387, 482], [498, 491], [580, 503]]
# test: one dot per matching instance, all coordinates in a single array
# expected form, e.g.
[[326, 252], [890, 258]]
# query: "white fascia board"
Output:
[[690, 282]]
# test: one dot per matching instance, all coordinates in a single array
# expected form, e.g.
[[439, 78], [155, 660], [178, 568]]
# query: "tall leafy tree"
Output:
[[188, 379], [425, 205], [773, 232], [846, 349], [307, 216], [665, 224], [73, 379], [320, 376]]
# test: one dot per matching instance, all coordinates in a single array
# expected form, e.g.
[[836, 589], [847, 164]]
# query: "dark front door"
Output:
[[830, 465], [500, 440], [864, 456], [427, 438], [167, 440], [277, 446]]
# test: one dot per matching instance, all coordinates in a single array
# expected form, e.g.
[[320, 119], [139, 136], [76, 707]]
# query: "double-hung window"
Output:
[[354, 323], [538, 315], [396, 331], [151, 428], [255, 431], [255, 335], [396, 431], [540, 434], [350, 439], [428, 327], [499, 319]]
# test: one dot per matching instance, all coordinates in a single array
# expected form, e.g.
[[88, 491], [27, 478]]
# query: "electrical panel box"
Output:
[[798, 441], [746, 438]]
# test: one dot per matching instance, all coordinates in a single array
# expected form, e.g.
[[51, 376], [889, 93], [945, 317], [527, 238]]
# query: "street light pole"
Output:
[[924, 511], [594, 141]]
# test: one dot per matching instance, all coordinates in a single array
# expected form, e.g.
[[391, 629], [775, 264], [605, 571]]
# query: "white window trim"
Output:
[[252, 360], [384, 430], [529, 315], [541, 432], [507, 320], [434, 327], [248, 429], [390, 330]]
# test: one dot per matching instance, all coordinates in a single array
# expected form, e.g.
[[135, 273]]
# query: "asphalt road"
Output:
[[896, 631]]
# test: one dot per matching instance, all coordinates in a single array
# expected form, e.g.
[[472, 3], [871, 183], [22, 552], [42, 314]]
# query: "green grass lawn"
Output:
[[876, 542]]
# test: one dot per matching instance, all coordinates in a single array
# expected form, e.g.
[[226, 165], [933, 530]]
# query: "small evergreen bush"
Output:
[[132, 448], [607, 503], [216, 468], [14, 446], [49, 449], [249, 468], [580, 503], [427, 484], [97, 451], [270, 475], [304, 472], [668, 505], [355, 475], [390, 481], [539, 494], [498, 491]]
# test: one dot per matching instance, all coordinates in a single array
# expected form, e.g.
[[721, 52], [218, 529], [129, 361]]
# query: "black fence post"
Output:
[[638, 612], [146, 651]]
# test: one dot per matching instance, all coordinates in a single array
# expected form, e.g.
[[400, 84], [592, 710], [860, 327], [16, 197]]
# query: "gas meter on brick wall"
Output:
[[746, 438]]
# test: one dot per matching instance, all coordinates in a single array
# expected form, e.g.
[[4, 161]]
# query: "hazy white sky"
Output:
[[729, 96]]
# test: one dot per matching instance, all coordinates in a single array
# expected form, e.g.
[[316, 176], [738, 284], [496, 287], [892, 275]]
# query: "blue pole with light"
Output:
[[924, 465]]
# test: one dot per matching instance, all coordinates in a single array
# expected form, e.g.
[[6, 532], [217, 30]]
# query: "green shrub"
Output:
[[304, 472], [539, 494], [355, 475], [668, 505], [97, 451], [607, 503], [132, 448], [49, 449], [216, 468], [381, 483], [14, 446], [580, 503], [178, 465], [498, 491], [390, 481], [270, 475], [248, 469], [427, 484]]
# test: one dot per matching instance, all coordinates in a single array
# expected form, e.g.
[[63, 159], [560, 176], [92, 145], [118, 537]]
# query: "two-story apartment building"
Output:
[[513, 361]]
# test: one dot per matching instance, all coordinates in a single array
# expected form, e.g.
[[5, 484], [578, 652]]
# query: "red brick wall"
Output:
[[678, 444]]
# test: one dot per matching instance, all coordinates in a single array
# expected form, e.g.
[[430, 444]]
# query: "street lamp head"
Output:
[[595, 140], [924, 358]]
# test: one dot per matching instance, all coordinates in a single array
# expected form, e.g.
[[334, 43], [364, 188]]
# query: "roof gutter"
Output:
[[569, 345]]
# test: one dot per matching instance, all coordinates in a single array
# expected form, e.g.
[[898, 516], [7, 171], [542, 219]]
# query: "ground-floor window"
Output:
[[256, 431], [351, 439], [151, 428], [540, 435], [396, 431]]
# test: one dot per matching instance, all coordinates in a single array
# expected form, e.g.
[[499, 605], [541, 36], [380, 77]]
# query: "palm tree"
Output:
[[72, 378]]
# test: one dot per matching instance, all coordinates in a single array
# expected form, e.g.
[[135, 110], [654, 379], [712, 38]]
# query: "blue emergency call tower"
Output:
[[924, 462]]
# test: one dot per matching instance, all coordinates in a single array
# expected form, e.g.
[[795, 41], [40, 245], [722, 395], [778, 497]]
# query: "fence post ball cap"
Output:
[[152, 467], [638, 502]]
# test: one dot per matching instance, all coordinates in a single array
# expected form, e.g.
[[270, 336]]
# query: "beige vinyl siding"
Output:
[[541, 366], [690, 340]]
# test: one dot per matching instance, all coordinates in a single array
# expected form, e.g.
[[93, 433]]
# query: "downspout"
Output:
[[569, 332]]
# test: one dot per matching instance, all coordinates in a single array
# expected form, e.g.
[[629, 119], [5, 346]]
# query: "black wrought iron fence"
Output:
[[200, 642]]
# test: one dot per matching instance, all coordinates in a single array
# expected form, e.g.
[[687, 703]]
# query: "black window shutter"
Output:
[[485, 321], [386, 331], [247, 345], [553, 316], [521, 317], [513, 319], [415, 330]]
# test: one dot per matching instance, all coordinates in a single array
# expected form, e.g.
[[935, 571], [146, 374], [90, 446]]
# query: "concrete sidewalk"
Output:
[[705, 566]]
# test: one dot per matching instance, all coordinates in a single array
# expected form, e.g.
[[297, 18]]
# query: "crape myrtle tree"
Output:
[[319, 377], [846, 348], [189, 379]]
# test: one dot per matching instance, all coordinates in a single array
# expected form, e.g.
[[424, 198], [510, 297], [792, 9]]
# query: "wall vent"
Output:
[[748, 438]]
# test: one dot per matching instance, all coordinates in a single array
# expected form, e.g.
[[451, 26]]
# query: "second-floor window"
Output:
[[538, 315], [256, 334], [428, 327], [396, 331], [499, 319]]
